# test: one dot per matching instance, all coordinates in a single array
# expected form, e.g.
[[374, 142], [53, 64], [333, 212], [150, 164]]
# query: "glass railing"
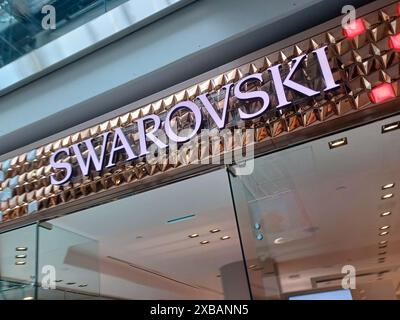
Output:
[[21, 22]]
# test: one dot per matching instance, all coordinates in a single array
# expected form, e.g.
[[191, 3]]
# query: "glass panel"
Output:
[[68, 260], [175, 242], [21, 28], [21, 21], [111, 4], [17, 264], [320, 219]]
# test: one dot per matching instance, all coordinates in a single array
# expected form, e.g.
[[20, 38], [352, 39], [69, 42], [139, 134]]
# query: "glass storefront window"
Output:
[[175, 242], [72, 259], [18, 264], [321, 220]]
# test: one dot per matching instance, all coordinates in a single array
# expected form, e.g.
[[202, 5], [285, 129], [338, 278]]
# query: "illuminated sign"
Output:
[[120, 142]]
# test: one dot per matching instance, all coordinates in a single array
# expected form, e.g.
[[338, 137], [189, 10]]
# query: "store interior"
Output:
[[324, 207]]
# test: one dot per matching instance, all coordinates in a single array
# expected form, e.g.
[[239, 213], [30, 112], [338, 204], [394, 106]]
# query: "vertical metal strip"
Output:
[[228, 172], [36, 283]]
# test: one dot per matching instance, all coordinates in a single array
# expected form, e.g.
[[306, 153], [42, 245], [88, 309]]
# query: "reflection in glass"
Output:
[[160, 244], [71, 261], [17, 264], [310, 214]]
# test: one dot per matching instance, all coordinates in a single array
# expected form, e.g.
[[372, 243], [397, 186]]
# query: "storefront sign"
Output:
[[121, 143]]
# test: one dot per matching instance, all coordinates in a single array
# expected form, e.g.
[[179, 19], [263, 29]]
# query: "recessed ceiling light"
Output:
[[387, 196], [28, 298], [21, 248], [390, 127], [194, 235], [386, 213], [252, 266], [225, 237], [388, 186], [382, 253], [82, 285], [280, 240], [58, 280], [70, 283], [204, 242], [20, 263], [384, 227], [384, 233], [382, 246], [383, 242], [20, 256], [215, 230], [337, 143]]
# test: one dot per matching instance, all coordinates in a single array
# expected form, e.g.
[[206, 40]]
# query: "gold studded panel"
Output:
[[364, 61]]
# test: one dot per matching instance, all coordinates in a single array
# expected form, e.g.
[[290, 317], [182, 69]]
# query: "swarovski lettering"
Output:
[[88, 157]]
